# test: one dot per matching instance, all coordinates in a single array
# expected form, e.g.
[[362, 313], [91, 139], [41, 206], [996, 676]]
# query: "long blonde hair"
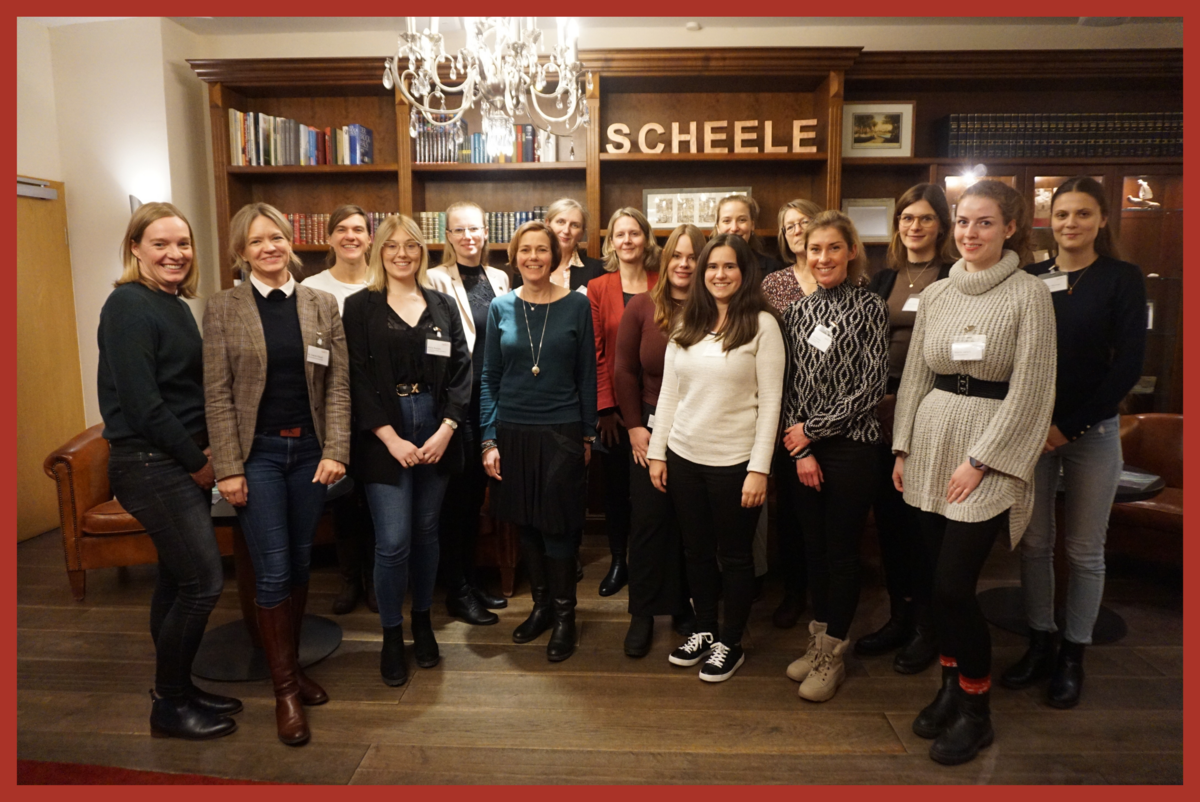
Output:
[[449, 256], [652, 252], [239, 234], [377, 277], [131, 271]]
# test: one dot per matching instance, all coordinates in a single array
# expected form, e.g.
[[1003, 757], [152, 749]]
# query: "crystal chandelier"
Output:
[[500, 70]]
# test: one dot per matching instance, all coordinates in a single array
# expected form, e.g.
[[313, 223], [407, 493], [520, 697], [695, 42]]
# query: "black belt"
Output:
[[404, 390], [962, 384]]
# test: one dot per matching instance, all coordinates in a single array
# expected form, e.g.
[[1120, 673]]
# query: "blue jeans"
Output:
[[406, 520], [176, 513], [283, 505], [1091, 470]]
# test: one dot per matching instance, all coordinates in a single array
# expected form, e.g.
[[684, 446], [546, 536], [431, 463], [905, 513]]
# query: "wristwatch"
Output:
[[451, 423], [977, 465], [589, 438]]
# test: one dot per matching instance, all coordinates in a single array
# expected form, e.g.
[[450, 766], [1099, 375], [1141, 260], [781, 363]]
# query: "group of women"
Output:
[[696, 369]]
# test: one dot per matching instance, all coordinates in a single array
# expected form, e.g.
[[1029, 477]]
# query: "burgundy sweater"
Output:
[[641, 346]]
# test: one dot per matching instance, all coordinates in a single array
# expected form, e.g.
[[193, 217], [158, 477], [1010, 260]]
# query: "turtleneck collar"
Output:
[[833, 293], [978, 283]]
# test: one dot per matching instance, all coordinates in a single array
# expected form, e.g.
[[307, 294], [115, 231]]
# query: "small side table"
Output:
[[233, 652]]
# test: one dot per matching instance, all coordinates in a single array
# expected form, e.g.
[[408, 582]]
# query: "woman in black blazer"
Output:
[[410, 380], [569, 221]]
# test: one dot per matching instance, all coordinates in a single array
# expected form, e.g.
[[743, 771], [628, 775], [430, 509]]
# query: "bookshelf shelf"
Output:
[[317, 169], [714, 157], [874, 163], [454, 167]]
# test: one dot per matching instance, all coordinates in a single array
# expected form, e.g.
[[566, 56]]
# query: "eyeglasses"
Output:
[[410, 247], [472, 230], [924, 220], [795, 228]]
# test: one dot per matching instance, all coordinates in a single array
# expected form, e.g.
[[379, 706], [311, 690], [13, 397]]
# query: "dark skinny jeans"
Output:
[[177, 514]]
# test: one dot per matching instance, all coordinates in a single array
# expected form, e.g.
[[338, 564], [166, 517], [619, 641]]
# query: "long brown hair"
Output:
[[700, 313], [944, 250], [809, 209], [146, 214], [666, 310], [1013, 208], [1106, 243], [340, 214], [841, 222]]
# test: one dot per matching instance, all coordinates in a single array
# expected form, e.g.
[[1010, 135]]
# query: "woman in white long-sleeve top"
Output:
[[714, 435]]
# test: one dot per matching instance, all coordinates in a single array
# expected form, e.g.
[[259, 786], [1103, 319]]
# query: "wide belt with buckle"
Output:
[[962, 384], [403, 390], [295, 431]]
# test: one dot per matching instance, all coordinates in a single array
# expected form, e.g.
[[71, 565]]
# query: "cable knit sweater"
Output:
[[939, 430], [721, 408], [835, 392]]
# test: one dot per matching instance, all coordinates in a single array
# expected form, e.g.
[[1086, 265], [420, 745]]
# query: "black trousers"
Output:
[[789, 538], [714, 525], [458, 526], [617, 507], [907, 564], [657, 581], [961, 549], [832, 520]]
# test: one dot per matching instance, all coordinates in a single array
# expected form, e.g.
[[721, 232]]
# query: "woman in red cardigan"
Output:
[[631, 266]]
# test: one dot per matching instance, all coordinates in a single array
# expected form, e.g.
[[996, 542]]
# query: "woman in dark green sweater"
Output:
[[151, 391]]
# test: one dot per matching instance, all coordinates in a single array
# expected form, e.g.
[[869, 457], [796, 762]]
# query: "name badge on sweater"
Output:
[[911, 304], [821, 338], [1056, 282], [968, 347], [650, 423], [319, 356], [437, 347]]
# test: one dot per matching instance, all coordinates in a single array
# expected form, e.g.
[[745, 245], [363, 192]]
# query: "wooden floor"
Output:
[[495, 712]]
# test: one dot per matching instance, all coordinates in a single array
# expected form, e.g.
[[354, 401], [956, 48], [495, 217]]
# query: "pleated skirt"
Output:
[[544, 482]]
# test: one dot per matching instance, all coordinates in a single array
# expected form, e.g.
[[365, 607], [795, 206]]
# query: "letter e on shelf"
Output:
[[798, 135], [711, 135]]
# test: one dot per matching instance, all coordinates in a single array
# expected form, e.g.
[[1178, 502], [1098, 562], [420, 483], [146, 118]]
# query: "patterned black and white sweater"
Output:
[[835, 392]]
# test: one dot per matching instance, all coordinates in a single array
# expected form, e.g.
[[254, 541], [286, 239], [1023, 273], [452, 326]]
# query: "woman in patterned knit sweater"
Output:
[[971, 419], [837, 347]]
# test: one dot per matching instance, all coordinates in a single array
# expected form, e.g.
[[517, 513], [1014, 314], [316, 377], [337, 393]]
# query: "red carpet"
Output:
[[38, 772]]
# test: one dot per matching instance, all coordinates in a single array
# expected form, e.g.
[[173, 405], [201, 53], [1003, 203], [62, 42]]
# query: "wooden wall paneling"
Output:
[[828, 108], [301, 193], [404, 157], [220, 100], [592, 177]]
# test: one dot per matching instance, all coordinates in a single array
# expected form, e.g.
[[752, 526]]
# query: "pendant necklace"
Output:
[[538, 356], [908, 272], [1071, 288]]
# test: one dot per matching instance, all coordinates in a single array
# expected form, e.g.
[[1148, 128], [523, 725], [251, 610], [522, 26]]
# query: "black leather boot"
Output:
[[180, 717], [391, 658], [930, 722], [640, 636], [892, 635], [488, 600], [350, 567], [541, 617], [617, 576], [462, 603], [369, 593], [560, 575], [1034, 666], [1066, 683], [425, 648], [213, 703], [969, 731], [922, 648]]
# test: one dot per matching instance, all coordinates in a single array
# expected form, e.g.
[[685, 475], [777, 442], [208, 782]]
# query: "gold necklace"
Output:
[[1071, 287], [908, 271], [538, 356]]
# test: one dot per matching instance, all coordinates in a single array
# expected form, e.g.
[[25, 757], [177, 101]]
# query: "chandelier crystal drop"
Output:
[[500, 70]]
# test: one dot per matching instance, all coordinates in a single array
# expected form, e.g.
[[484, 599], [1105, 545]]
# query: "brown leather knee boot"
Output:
[[277, 629], [310, 692]]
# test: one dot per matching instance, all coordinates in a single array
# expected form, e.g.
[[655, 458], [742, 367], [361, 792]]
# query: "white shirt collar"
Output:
[[575, 260], [264, 290]]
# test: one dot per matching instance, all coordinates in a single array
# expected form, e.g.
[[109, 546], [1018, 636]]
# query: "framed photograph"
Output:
[[667, 208], [878, 130], [872, 217]]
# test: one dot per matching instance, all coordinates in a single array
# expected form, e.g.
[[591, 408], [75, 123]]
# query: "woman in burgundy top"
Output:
[[631, 266], [657, 585]]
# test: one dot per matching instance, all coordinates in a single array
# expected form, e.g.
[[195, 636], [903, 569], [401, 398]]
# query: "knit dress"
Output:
[[939, 430]]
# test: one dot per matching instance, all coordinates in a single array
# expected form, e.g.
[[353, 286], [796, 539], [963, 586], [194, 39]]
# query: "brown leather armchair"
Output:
[[1152, 528]]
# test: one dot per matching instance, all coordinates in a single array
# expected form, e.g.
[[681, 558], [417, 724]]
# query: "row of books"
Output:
[[309, 229], [455, 144], [261, 140], [501, 225], [1116, 134]]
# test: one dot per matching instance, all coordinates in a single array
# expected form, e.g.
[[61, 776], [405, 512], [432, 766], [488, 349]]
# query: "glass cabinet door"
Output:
[[1043, 191]]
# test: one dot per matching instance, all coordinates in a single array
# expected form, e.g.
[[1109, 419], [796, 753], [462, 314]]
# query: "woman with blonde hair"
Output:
[[971, 421], [569, 221], [150, 385], [277, 396], [657, 585], [631, 264], [466, 276], [410, 373]]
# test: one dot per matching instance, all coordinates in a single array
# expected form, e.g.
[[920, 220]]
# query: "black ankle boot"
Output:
[[930, 722], [463, 604], [541, 617], [425, 648], [391, 657], [617, 576], [922, 648], [347, 598], [178, 717], [488, 600], [892, 635], [1034, 666], [969, 731], [640, 636], [1066, 683], [213, 703], [561, 577]]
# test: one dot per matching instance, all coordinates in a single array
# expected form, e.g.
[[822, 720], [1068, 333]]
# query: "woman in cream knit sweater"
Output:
[[971, 419]]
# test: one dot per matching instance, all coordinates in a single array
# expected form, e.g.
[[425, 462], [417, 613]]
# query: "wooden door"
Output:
[[49, 387]]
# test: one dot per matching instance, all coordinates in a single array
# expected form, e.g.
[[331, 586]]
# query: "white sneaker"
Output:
[[799, 668]]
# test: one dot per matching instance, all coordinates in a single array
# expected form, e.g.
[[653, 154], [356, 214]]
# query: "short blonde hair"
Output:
[[239, 234], [842, 223], [449, 257], [146, 214], [652, 253], [529, 228], [377, 277], [809, 209], [565, 205]]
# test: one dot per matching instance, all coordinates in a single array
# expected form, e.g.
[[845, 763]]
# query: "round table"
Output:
[[1005, 607], [233, 652]]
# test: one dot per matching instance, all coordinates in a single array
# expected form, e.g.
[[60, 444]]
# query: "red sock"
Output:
[[975, 686], [947, 662]]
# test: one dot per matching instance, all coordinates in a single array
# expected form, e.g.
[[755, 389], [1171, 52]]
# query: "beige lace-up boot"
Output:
[[799, 668], [828, 672]]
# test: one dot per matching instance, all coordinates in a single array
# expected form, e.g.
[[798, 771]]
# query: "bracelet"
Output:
[[486, 446], [589, 438], [453, 424], [977, 465]]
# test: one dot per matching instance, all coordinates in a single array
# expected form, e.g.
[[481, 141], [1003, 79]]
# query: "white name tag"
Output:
[[437, 347], [650, 422], [1055, 282], [319, 356], [821, 338], [911, 304], [968, 347]]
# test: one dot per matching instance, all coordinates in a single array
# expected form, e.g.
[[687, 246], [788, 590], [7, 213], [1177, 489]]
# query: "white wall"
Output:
[[37, 124]]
